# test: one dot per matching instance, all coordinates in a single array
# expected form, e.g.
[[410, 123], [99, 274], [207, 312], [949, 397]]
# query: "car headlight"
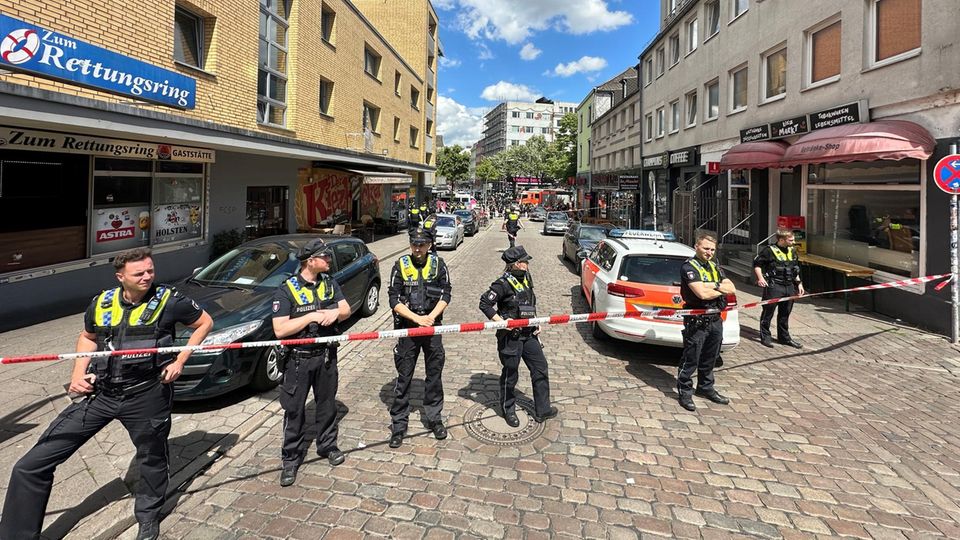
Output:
[[228, 335]]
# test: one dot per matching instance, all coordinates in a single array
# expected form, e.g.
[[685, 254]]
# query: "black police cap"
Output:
[[515, 254], [315, 248], [420, 236]]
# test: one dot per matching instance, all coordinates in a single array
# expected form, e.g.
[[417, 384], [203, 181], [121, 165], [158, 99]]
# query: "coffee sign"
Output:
[[683, 158]]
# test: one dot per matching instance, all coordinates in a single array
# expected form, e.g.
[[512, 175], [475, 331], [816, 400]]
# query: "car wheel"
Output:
[[595, 329], [268, 373], [371, 300]]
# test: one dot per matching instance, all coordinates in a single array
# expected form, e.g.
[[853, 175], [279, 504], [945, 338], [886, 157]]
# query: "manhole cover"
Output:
[[484, 423]]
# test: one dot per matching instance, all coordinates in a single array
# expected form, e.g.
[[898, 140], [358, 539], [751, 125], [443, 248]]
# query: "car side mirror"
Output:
[[196, 270]]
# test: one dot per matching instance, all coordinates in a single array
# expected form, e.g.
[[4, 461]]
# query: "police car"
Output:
[[635, 270]]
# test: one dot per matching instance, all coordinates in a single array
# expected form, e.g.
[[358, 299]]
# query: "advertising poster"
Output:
[[120, 228], [322, 195], [172, 222]]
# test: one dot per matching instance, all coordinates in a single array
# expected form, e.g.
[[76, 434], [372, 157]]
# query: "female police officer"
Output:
[[511, 297]]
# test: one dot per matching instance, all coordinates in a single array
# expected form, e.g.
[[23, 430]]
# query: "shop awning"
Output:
[[753, 155], [881, 140], [378, 177]]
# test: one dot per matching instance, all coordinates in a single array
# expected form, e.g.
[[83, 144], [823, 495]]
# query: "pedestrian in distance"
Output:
[[777, 269], [512, 224], [419, 292], [309, 305], [135, 389], [511, 296], [702, 286]]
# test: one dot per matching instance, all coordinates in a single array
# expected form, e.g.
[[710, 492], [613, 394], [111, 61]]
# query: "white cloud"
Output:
[[459, 124], [514, 21], [445, 5], [485, 52], [529, 52], [585, 64], [506, 91], [448, 62]]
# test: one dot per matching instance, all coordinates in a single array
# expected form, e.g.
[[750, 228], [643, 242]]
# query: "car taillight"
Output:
[[731, 299], [625, 290]]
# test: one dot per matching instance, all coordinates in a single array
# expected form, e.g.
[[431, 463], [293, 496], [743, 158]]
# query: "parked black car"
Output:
[[237, 291], [580, 239], [469, 221]]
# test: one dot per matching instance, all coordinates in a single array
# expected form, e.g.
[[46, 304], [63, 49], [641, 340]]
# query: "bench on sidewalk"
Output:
[[846, 269]]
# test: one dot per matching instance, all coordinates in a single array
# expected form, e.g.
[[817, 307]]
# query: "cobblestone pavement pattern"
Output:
[[855, 435]]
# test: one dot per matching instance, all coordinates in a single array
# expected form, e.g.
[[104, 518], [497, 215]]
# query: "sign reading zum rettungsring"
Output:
[[35, 50]]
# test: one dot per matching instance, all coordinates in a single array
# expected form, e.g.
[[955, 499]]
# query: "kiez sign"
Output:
[[35, 50]]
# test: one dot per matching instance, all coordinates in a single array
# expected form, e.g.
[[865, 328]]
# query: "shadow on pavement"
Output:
[[808, 352], [482, 388], [10, 425], [220, 402]]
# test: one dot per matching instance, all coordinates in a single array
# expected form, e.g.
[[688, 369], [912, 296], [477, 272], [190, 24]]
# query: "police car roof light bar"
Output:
[[641, 234]]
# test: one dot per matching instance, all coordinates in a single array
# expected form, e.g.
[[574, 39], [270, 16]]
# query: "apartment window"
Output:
[[774, 74], [529, 116], [188, 38], [691, 102], [713, 100], [674, 49], [675, 116], [397, 80], [712, 11], [544, 130], [515, 129], [660, 122], [414, 98], [737, 7], [894, 30], [693, 35], [371, 62], [326, 95], [648, 64], [429, 94], [515, 114], [429, 127], [371, 117], [660, 61], [327, 16], [414, 137], [823, 53], [272, 73], [738, 89], [648, 126], [396, 129]]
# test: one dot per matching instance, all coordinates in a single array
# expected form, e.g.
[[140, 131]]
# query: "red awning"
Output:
[[753, 155], [881, 140]]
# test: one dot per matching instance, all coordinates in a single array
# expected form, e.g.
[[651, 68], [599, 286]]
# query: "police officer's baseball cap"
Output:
[[515, 254], [420, 236], [315, 248]]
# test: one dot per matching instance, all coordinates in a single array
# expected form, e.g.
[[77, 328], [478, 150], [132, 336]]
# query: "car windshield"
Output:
[[559, 216], [592, 233], [446, 221], [260, 266], [464, 214], [653, 269]]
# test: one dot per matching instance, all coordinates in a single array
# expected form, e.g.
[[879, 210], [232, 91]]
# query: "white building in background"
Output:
[[513, 123]]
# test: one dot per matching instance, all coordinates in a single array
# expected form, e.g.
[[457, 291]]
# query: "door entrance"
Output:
[[266, 211]]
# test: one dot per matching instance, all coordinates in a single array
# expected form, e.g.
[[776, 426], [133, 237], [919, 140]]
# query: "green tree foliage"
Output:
[[487, 171], [563, 158], [453, 162]]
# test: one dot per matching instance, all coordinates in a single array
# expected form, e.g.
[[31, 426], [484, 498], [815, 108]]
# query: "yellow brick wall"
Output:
[[227, 87]]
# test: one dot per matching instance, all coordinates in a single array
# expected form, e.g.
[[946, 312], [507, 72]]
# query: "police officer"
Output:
[[415, 217], [702, 286], [512, 224], [135, 389], [777, 269], [419, 291], [511, 297], [309, 305]]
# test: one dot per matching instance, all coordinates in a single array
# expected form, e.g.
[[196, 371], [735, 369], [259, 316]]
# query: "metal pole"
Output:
[[954, 286]]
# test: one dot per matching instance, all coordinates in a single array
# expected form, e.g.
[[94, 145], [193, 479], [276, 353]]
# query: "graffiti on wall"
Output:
[[371, 200], [321, 194]]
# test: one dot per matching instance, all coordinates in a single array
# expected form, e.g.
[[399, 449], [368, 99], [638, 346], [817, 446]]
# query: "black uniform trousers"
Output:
[[317, 370], [512, 348], [512, 236], [405, 357], [776, 289], [145, 416], [702, 337]]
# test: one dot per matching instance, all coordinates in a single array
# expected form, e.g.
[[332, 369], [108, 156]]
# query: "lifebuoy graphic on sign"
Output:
[[19, 46]]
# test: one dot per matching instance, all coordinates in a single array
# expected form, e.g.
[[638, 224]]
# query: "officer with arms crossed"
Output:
[[702, 286], [419, 291], [512, 297], [308, 305], [135, 389], [512, 224], [777, 269]]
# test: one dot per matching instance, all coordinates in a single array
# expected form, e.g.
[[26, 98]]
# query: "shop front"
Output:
[[328, 197], [656, 194]]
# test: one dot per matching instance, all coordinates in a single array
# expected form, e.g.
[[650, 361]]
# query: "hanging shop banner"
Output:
[[629, 183], [757, 133], [35, 50], [851, 113], [788, 127], [684, 158], [13, 138], [656, 161]]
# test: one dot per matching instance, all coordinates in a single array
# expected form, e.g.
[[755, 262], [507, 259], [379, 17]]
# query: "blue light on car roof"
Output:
[[641, 234]]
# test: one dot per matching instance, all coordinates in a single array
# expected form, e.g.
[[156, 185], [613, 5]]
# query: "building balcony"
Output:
[[431, 45], [430, 111], [428, 144]]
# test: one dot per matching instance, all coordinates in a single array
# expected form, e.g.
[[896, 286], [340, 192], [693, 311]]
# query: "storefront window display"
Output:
[[867, 214]]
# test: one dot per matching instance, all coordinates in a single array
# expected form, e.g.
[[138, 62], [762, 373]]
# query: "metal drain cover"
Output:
[[484, 423]]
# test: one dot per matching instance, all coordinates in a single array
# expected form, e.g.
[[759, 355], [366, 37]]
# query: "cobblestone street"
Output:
[[855, 435]]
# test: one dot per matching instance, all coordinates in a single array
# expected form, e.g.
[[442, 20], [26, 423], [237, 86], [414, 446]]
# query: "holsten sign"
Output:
[[31, 49]]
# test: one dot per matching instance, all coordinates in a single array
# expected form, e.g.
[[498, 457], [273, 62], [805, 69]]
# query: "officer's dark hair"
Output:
[[133, 255], [705, 236], [783, 234]]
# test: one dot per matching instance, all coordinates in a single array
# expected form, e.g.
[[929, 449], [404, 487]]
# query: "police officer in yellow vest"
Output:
[[135, 389], [702, 286], [512, 224], [309, 305], [419, 291], [777, 269]]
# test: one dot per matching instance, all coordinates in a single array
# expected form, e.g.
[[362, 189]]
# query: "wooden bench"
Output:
[[846, 269]]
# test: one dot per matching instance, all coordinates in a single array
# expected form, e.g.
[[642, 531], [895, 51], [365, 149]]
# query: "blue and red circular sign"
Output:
[[947, 174]]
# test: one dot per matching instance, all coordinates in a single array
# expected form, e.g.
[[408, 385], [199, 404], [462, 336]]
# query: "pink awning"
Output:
[[881, 140], [753, 155]]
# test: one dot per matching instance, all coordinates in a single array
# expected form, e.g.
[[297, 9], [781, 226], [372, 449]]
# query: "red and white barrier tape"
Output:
[[458, 328]]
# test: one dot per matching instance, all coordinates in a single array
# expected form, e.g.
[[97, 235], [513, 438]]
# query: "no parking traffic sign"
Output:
[[947, 174]]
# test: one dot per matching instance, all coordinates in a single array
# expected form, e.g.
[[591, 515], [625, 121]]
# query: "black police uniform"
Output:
[[420, 287], [127, 389], [512, 219], [512, 297], [781, 269], [308, 366], [702, 334], [414, 218]]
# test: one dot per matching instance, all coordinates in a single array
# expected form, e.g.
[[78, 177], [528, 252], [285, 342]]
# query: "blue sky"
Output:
[[524, 49]]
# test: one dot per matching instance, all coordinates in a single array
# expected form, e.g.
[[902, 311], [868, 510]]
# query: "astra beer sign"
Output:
[[35, 50]]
